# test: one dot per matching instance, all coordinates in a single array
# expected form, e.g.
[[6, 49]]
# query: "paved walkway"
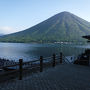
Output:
[[62, 77]]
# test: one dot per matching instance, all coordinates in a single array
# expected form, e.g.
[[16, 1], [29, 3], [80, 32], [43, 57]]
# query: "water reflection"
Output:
[[26, 51]]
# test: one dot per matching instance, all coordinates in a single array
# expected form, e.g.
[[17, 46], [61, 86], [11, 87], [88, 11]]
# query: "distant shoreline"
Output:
[[62, 42]]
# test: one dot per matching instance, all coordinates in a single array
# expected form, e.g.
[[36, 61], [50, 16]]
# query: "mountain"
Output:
[[64, 26]]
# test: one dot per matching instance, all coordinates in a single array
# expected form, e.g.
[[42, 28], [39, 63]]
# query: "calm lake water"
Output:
[[15, 51]]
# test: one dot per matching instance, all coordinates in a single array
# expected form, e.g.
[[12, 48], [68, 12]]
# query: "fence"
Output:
[[19, 68]]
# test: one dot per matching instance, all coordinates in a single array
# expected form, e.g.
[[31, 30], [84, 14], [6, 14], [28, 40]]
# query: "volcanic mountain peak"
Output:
[[63, 26]]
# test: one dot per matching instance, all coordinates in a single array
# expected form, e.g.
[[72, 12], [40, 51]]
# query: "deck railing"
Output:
[[39, 63]]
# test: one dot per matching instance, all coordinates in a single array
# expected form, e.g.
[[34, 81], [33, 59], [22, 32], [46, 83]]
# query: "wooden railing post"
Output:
[[61, 57], [41, 63], [54, 60], [20, 68]]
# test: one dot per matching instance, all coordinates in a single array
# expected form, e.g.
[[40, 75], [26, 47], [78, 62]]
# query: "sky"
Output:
[[18, 15]]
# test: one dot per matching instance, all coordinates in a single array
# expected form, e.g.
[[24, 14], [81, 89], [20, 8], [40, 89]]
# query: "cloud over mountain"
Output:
[[6, 29]]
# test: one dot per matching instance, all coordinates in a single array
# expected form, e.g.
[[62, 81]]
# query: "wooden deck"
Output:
[[61, 77]]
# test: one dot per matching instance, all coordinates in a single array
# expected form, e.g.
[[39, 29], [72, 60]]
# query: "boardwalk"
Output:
[[61, 77]]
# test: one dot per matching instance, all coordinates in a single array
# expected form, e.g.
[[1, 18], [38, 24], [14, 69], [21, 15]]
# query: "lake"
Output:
[[30, 51]]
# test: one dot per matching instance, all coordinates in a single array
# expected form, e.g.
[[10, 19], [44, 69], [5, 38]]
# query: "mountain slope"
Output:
[[62, 27]]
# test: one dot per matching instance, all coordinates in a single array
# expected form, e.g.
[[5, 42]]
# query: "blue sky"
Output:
[[17, 15]]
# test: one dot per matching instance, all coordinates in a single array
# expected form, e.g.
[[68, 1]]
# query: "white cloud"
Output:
[[7, 30]]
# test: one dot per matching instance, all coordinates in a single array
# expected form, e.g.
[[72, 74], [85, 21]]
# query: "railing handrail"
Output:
[[35, 61], [27, 62], [20, 66], [30, 61], [11, 65]]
